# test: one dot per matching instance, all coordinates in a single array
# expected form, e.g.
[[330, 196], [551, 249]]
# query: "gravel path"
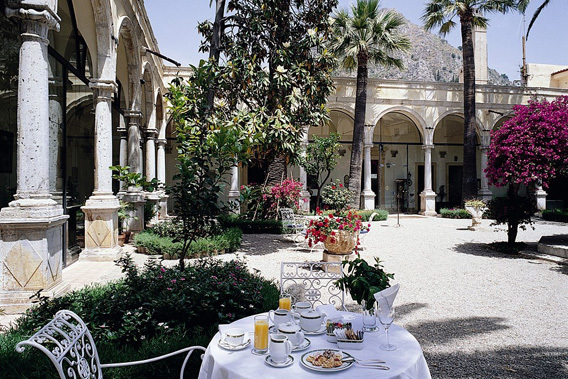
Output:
[[477, 313]]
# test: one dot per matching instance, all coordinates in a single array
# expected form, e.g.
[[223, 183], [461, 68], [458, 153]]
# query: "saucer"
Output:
[[303, 346], [286, 363], [321, 330], [227, 346]]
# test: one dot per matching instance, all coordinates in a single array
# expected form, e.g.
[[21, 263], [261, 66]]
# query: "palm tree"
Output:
[[522, 5], [369, 34], [470, 14]]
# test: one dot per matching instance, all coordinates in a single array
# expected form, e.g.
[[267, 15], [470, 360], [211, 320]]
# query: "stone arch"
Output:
[[408, 112], [105, 64], [127, 36], [459, 112], [334, 127], [147, 95], [498, 122]]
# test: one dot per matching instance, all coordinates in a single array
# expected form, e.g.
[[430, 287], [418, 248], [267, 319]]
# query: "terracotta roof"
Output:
[[560, 71]]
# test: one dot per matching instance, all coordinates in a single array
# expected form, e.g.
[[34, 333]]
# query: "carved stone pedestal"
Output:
[[101, 229], [328, 257]]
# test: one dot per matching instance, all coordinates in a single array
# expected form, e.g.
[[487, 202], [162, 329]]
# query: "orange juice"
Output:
[[261, 333], [285, 303]]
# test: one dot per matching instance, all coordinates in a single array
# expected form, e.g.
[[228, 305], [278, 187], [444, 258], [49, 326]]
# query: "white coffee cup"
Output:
[[234, 336], [301, 306], [280, 316], [279, 347], [293, 332]]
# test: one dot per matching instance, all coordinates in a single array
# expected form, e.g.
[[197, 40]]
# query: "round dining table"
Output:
[[407, 361]]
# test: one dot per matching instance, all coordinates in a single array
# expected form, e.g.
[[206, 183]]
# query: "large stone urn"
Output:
[[343, 243], [476, 210]]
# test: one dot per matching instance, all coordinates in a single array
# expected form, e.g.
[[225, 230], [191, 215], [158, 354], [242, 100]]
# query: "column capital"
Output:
[[483, 147], [368, 145], [133, 117], [427, 147], [34, 13], [103, 85], [151, 133], [162, 142]]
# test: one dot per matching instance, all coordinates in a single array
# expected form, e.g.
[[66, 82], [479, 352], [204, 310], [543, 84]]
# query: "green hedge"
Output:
[[228, 241], [153, 311], [250, 226], [454, 213], [382, 214], [555, 215]]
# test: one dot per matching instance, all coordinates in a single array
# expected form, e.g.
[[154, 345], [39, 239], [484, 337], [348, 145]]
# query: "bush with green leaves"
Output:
[[251, 226], [454, 213], [560, 215], [336, 196], [513, 210], [381, 214], [151, 311]]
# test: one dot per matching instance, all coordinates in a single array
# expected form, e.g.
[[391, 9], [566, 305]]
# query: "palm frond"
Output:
[[536, 14]]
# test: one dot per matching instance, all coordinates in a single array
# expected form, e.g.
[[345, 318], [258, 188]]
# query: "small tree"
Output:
[[320, 160], [529, 150]]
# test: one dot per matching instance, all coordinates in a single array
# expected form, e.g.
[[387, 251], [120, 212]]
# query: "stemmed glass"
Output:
[[386, 316]]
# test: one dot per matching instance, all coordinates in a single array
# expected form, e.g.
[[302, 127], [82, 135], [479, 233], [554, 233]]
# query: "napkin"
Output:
[[329, 310], [386, 297]]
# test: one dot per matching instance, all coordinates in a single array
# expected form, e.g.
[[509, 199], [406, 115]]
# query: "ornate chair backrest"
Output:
[[69, 345], [312, 282], [287, 216]]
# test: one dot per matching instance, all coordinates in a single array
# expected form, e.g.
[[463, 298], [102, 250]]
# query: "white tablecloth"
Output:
[[407, 361]]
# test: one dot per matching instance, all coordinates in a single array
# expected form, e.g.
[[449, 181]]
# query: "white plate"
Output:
[[286, 363], [227, 346], [321, 330], [303, 346], [310, 366]]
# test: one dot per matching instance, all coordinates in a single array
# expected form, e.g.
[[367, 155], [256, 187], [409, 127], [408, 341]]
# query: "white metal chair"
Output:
[[70, 347], [313, 282], [293, 224]]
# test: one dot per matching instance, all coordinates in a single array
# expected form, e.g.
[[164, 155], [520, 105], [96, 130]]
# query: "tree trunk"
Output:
[[469, 178], [512, 222], [276, 171], [356, 163]]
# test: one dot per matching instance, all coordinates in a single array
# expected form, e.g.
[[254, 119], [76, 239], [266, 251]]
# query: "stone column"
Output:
[[123, 149], [31, 227], [161, 174], [484, 192], [428, 197], [101, 209], [134, 195], [304, 194], [367, 195], [150, 154], [234, 192]]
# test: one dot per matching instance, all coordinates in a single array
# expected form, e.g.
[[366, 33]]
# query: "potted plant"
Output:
[[339, 234], [123, 217], [363, 280], [475, 208]]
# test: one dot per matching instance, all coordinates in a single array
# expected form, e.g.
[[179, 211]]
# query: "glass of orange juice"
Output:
[[260, 334], [285, 302]]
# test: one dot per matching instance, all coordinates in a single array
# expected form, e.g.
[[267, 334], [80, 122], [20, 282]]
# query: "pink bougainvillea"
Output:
[[531, 147]]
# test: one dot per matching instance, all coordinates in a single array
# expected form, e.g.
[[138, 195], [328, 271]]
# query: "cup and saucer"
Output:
[[287, 362], [234, 339], [279, 349]]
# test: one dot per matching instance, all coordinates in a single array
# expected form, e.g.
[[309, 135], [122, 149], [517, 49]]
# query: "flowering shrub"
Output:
[[259, 202], [336, 195], [326, 226]]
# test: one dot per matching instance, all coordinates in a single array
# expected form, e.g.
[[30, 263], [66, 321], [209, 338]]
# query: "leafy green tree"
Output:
[[443, 13], [210, 141], [368, 34], [276, 68], [321, 158]]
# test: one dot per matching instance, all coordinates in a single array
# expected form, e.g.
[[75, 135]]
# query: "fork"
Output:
[[362, 361]]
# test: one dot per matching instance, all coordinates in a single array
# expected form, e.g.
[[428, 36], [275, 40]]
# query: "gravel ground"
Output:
[[477, 313]]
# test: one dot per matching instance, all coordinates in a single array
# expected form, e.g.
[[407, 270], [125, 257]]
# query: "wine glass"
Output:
[[386, 316]]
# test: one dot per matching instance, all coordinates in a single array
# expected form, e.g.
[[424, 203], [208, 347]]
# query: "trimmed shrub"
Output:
[[555, 215], [382, 214], [250, 226], [454, 213], [152, 311]]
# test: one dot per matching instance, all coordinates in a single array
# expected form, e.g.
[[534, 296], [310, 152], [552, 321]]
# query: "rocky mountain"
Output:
[[430, 58]]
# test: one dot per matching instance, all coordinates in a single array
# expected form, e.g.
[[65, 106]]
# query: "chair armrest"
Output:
[[189, 350]]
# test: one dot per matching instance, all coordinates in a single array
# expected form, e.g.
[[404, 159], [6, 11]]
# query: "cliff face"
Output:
[[430, 58]]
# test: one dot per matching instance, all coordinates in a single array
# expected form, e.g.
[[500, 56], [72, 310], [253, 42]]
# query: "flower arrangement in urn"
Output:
[[340, 233]]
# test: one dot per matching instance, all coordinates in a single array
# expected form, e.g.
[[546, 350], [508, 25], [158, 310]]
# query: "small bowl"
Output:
[[349, 344]]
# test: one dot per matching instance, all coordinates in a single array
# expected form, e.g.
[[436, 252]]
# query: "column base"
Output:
[[368, 199], [135, 222], [101, 226], [428, 203], [233, 200], [101, 254], [163, 206], [484, 194], [540, 199], [31, 253]]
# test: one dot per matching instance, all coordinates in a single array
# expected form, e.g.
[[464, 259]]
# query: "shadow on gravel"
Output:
[[435, 333], [263, 244], [563, 269], [406, 309], [511, 362], [482, 250]]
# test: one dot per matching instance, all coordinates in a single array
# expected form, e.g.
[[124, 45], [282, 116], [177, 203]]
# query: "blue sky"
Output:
[[175, 25]]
